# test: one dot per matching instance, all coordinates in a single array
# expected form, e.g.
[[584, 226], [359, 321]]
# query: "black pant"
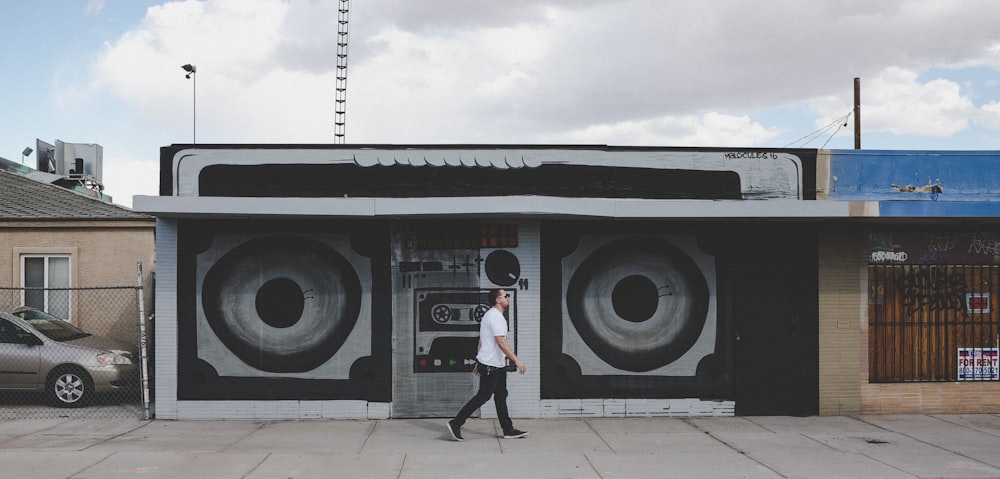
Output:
[[492, 382]]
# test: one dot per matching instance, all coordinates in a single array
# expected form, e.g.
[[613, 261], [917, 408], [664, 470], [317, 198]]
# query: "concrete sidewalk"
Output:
[[911, 446]]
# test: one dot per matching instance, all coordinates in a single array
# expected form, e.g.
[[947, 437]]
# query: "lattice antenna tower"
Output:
[[343, 18]]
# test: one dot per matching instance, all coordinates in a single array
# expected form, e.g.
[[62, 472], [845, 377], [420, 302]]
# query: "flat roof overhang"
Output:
[[510, 206]]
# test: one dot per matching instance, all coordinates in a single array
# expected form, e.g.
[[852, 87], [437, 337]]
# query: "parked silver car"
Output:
[[40, 352]]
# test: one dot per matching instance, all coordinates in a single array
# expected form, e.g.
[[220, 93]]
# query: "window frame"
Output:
[[69, 253]]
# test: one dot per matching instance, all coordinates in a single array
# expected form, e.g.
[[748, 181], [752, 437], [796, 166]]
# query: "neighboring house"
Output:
[[54, 237]]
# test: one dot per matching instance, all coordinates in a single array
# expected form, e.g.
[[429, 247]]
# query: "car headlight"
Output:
[[113, 358]]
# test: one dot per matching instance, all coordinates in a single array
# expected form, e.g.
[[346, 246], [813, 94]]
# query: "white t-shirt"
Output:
[[493, 325]]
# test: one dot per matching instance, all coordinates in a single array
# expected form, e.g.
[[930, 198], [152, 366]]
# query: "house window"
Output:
[[46, 279]]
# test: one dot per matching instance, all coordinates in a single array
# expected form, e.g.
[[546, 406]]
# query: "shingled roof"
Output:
[[26, 199]]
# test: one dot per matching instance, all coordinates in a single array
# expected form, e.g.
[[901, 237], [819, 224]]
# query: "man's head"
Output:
[[498, 297]]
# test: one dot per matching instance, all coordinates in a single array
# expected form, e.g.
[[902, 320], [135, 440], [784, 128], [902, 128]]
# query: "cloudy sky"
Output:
[[769, 74]]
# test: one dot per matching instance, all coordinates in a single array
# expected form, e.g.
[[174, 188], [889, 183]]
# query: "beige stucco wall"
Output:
[[104, 253]]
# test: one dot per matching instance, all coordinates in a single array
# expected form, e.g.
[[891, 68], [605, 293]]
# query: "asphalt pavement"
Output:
[[905, 446]]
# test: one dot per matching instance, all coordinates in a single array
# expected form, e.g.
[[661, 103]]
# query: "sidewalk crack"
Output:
[[599, 436], [733, 447]]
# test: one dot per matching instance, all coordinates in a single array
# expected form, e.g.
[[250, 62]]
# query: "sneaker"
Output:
[[455, 431], [514, 434]]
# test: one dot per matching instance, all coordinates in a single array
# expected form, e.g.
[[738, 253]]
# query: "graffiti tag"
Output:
[[889, 256], [939, 242], [751, 155], [934, 289], [984, 245]]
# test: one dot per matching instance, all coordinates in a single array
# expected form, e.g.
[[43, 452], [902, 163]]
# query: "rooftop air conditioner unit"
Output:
[[79, 160]]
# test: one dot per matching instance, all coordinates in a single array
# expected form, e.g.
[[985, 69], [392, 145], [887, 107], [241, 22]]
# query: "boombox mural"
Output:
[[350, 282]]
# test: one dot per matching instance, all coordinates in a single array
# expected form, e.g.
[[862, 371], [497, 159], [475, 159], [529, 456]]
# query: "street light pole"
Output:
[[191, 70]]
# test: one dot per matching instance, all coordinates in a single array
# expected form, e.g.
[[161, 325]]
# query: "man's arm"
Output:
[[502, 343]]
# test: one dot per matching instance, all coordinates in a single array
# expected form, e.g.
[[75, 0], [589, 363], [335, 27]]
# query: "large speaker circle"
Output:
[[282, 303], [639, 303]]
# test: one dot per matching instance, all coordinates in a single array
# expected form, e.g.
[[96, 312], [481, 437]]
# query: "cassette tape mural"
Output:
[[282, 315], [637, 315], [443, 272]]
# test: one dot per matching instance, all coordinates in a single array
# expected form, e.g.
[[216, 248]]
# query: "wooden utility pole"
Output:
[[857, 113]]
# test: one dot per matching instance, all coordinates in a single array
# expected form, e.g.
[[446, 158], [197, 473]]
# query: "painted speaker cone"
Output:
[[282, 303], [639, 303]]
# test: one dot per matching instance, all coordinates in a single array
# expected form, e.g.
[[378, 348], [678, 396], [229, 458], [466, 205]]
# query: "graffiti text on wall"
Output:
[[935, 289], [984, 245], [879, 257], [934, 248], [756, 155]]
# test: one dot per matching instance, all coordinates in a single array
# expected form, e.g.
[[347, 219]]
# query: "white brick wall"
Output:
[[165, 322]]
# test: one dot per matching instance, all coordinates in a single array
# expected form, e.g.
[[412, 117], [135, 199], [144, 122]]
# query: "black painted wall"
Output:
[[774, 306]]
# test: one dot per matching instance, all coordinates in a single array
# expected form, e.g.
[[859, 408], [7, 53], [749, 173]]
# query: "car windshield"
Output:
[[51, 326]]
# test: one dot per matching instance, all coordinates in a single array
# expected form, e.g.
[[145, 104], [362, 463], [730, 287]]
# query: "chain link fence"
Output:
[[73, 352]]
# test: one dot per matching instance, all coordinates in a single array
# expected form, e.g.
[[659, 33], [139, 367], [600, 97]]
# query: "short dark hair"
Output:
[[494, 296]]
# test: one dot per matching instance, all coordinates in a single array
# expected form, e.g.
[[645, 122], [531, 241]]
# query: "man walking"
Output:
[[491, 368]]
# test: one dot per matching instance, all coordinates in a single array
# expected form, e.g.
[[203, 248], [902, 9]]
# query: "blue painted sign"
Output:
[[898, 175]]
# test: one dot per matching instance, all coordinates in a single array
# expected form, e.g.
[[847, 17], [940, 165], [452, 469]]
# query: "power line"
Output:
[[839, 126], [838, 123]]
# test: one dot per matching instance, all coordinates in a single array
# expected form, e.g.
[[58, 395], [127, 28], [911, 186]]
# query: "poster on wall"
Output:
[[978, 364], [977, 303]]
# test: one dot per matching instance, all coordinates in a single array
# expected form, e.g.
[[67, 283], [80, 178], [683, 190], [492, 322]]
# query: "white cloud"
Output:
[[475, 71], [609, 64], [230, 45], [125, 178], [896, 101], [95, 6], [906, 106], [989, 116], [710, 129], [621, 72]]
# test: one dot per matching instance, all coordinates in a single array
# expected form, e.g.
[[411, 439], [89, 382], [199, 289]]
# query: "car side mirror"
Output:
[[29, 339]]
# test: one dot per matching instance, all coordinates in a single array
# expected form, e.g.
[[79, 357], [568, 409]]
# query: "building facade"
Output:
[[301, 281], [924, 250]]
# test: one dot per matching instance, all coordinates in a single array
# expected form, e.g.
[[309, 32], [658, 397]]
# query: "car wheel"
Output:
[[69, 387]]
